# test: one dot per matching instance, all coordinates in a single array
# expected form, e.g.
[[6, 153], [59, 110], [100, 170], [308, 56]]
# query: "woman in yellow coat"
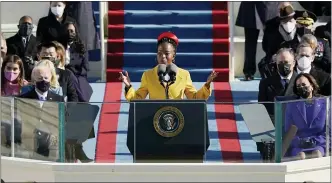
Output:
[[150, 84]]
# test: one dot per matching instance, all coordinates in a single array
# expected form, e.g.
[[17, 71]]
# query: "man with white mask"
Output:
[[305, 55], [280, 32], [50, 27]]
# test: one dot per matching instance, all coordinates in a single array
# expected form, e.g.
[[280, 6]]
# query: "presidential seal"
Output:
[[168, 121]]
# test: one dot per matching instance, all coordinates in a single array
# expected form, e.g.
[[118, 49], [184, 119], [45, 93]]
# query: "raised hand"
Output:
[[124, 77], [211, 77]]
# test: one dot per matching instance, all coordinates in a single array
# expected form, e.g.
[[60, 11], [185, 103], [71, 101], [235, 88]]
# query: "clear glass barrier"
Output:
[[7, 118], [215, 132], [303, 129], [86, 121], [37, 130], [168, 131], [241, 132]]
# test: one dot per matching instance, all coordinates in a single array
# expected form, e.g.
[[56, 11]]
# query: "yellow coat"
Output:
[[183, 86]]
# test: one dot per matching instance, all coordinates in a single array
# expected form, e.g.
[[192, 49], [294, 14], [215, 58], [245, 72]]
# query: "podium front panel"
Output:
[[168, 131]]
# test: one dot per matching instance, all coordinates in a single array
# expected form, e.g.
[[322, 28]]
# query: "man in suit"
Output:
[[252, 17], [66, 78], [41, 78], [281, 84], [305, 57], [24, 44]]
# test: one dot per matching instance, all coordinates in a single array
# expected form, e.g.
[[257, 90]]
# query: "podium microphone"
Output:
[[161, 72], [172, 70]]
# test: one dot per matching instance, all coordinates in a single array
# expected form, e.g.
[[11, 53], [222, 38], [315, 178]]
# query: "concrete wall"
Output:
[[317, 170]]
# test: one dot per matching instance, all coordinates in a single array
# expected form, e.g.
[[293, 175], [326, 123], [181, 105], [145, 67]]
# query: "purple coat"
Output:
[[311, 124]]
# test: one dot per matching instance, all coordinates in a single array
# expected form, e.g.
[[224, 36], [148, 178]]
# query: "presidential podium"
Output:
[[168, 131]]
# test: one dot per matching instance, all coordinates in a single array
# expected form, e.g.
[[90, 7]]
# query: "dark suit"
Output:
[[323, 55], [69, 84], [41, 137], [79, 65], [323, 80], [49, 29], [246, 18], [271, 87], [15, 47]]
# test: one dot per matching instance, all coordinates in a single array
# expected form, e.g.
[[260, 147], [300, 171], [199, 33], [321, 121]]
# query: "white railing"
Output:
[[103, 9], [231, 39], [23, 170]]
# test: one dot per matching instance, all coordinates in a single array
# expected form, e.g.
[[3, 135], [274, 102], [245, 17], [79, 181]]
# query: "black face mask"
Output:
[[43, 86], [303, 92], [302, 30], [284, 69], [71, 37], [25, 30]]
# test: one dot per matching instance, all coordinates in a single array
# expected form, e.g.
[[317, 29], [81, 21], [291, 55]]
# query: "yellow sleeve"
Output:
[[190, 91], [141, 93]]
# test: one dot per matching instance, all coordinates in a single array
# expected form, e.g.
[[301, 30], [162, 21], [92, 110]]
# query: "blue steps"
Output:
[[139, 17], [201, 28], [150, 45], [183, 31]]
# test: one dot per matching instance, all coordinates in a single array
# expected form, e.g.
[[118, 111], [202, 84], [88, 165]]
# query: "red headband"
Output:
[[169, 35]]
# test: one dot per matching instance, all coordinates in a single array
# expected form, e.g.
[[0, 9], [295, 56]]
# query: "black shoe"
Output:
[[80, 154], [248, 78]]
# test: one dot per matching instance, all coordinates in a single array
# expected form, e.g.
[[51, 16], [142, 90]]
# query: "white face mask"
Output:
[[57, 11], [289, 26], [304, 63]]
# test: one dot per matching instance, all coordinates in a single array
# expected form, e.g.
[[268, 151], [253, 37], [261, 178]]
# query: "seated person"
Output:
[[3, 49], [61, 56], [12, 74], [309, 117], [41, 78], [280, 84], [65, 77], [321, 46], [54, 84], [77, 60], [304, 57], [24, 44]]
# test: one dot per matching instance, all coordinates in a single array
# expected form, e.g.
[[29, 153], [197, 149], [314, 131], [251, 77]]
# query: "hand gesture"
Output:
[[124, 77], [211, 77]]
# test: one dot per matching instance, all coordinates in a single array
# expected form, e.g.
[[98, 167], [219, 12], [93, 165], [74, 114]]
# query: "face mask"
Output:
[[302, 30], [25, 30], [71, 37], [289, 26], [284, 69], [43, 86], [304, 63], [303, 92], [57, 11], [11, 76]]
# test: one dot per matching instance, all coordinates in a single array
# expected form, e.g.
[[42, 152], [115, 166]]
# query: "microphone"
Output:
[[161, 71], [171, 70]]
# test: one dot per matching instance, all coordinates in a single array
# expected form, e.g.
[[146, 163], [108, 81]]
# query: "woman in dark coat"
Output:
[[76, 59], [82, 12], [49, 27]]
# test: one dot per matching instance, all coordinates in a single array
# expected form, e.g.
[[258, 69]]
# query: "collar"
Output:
[[304, 71], [288, 77], [41, 95]]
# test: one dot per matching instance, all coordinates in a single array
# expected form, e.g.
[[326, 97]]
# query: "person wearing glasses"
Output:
[[24, 44]]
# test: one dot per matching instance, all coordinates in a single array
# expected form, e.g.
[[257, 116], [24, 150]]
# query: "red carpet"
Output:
[[109, 117], [225, 116]]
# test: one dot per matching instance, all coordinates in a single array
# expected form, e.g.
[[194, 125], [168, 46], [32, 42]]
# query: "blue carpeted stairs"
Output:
[[134, 27]]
